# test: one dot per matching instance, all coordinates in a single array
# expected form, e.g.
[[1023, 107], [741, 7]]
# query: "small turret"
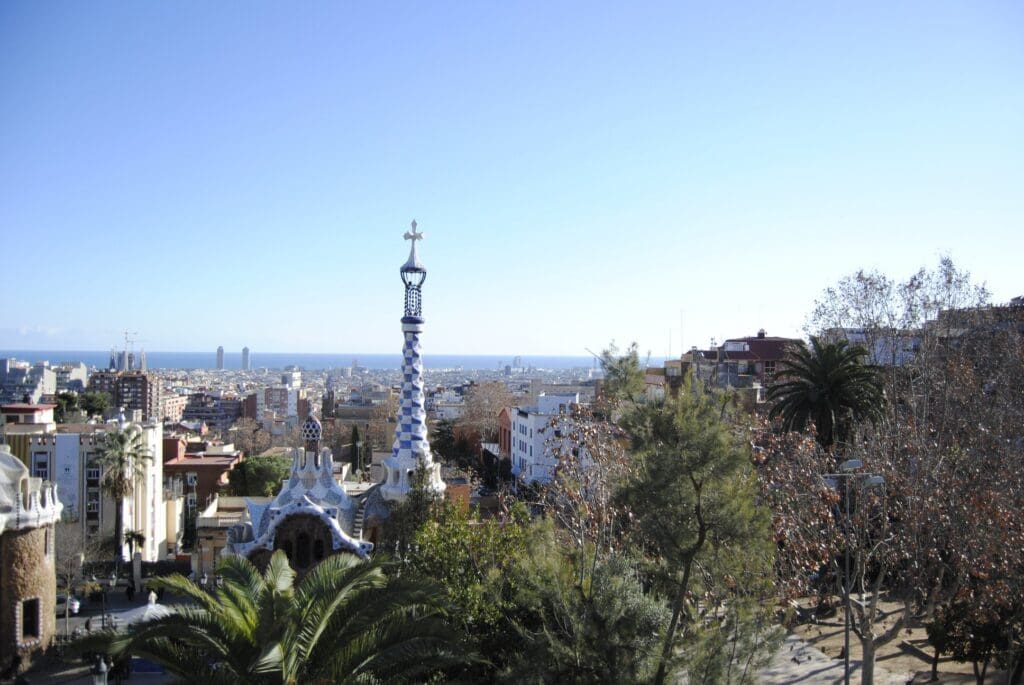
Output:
[[312, 431]]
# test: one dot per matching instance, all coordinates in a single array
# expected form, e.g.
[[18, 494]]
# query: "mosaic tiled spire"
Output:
[[411, 449]]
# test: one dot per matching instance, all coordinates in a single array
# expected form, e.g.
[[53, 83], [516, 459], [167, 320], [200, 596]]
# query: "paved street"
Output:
[[73, 672], [93, 611]]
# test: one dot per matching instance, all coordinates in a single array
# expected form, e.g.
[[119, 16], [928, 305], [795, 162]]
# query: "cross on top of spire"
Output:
[[413, 235], [413, 263]]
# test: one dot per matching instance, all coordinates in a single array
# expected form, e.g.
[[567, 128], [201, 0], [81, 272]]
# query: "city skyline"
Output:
[[664, 172]]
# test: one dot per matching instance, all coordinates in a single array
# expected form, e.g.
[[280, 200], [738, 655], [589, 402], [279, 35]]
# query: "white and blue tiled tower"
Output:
[[411, 449]]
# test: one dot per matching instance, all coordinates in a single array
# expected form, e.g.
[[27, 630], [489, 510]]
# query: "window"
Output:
[[41, 465], [191, 478], [92, 501], [30, 619], [92, 473], [769, 367]]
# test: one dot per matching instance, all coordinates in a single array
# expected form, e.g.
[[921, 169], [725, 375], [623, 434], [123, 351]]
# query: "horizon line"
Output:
[[226, 351]]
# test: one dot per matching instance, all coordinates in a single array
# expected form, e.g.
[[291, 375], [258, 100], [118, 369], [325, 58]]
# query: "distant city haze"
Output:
[[279, 360]]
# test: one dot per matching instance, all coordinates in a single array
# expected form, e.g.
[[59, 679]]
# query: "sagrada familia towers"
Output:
[[313, 516]]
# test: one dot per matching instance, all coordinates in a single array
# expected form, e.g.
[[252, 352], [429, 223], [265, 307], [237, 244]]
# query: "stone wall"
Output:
[[26, 572]]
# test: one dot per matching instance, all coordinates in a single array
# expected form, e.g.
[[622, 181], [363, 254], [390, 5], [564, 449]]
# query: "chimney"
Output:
[[761, 333]]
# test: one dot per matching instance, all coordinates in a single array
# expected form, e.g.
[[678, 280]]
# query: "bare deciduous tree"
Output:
[[248, 436], [482, 404], [948, 444], [72, 548]]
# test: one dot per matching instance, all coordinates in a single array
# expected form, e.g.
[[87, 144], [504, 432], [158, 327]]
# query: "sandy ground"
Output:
[[812, 654], [799, 662]]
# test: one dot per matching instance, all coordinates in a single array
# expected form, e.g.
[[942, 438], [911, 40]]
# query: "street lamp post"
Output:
[[847, 471], [113, 584], [103, 602]]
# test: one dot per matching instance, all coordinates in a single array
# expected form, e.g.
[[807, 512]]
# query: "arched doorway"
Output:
[[305, 539]]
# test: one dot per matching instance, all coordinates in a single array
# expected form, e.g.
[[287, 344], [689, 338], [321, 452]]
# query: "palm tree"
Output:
[[123, 459], [346, 622], [826, 384], [133, 538]]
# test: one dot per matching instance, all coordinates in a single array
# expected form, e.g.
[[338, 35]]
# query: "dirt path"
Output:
[[818, 647], [799, 662]]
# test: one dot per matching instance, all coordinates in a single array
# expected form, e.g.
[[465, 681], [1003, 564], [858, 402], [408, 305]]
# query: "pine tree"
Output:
[[693, 500]]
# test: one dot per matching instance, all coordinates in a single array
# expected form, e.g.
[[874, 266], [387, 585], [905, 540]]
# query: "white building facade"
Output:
[[68, 459], [534, 437]]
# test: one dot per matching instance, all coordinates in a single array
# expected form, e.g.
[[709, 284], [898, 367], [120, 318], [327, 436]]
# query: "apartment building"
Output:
[[133, 390], [67, 456], [533, 437]]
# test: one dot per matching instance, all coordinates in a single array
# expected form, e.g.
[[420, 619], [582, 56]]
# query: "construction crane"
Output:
[[128, 340]]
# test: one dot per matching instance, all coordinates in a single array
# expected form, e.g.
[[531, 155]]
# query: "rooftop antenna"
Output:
[[682, 347]]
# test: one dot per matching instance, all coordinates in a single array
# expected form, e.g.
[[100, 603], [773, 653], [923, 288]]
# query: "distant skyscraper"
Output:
[[245, 359], [220, 358]]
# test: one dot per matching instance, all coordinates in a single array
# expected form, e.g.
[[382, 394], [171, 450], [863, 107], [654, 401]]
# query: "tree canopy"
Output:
[[259, 476], [95, 403], [696, 515], [347, 621], [826, 384]]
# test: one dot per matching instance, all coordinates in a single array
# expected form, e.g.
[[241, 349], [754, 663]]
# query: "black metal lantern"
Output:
[[413, 275]]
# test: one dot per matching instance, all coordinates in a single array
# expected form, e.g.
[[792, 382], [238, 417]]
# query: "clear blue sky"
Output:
[[242, 173]]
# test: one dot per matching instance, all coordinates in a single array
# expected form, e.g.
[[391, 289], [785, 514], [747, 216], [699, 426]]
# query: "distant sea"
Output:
[[311, 362]]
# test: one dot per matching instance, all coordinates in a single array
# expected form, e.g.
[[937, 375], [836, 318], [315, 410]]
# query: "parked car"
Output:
[[73, 603]]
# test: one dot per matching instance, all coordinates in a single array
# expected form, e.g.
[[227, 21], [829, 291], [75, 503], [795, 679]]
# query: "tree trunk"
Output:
[[935, 665], [867, 663], [677, 609], [1017, 676], [933, 594], [979, 672], [670, 635], [119, 531]]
